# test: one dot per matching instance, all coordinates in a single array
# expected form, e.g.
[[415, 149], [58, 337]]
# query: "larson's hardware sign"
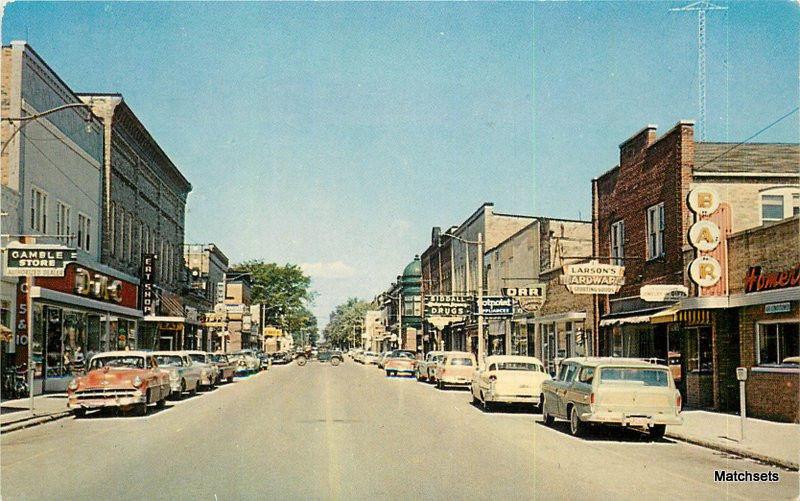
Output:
[[30, 260], [663, 292], [593, 278], [439, 305], [496, 306], [148, 280], [757, 280]]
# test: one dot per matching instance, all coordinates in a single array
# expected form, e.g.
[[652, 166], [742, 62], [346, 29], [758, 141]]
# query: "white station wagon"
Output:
[[616, 391], [509, 379]]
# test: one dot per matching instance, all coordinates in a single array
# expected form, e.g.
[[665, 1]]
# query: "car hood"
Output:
[[105, 377]]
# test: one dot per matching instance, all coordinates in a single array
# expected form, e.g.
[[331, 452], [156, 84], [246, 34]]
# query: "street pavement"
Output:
[[347, 432]]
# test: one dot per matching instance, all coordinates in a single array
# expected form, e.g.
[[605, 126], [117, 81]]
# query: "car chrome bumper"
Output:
[[512, 399], [455, 381], [621, 419], [91, 400]]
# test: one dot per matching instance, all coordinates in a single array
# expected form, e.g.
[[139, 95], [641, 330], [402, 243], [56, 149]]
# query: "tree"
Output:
[[285, 292], [346, 321]]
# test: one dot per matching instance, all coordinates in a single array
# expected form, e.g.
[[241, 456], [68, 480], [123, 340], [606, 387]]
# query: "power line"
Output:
[[749, 138]]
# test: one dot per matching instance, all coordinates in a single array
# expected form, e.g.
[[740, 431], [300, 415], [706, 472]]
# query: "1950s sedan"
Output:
[[184, 376], [509, 379], [208, 369], [615, 391], [226, 368], [129, 380]]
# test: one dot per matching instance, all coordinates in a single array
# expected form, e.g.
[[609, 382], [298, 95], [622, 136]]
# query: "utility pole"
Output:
[[481, 343], [701, 8]]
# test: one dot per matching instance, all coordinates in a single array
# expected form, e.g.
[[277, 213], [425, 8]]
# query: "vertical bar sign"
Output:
[[147, 281]]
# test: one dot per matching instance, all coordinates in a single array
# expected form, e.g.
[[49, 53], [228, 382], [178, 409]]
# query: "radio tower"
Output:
[[701, 8]]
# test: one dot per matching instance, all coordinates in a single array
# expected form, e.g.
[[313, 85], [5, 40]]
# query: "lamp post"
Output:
[[479, 290], [32, 118]]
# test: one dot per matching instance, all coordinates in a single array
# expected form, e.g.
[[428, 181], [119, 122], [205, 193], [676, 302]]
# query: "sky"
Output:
[[335, 135]]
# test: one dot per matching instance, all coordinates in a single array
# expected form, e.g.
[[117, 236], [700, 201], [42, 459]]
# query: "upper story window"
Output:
[[655, 231], [38, 210], [796, 204], [84, 233], [63, 221], [112, 230], [618, 242], [779, 202], [771, 207]]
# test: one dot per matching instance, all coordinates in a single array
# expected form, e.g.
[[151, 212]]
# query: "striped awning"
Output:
[[665, 317], [695, 317]]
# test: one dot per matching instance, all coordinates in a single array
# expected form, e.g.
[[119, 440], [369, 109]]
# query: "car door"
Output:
[[553, 392], [578, 391], [565, 380]]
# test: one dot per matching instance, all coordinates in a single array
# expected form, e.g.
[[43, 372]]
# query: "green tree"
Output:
[[285, 291], [345, 323]]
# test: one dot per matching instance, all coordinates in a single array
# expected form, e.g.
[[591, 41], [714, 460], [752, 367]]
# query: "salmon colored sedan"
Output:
[[400, 362], [455, 369], [129, 380]]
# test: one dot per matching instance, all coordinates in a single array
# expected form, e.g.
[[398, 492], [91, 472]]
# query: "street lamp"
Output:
[[479, 291], [32, 118]]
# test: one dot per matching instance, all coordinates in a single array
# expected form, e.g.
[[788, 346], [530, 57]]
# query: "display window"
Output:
[[699, 356], [779, 344]]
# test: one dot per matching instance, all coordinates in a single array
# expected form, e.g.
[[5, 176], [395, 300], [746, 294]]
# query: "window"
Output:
[[569, 374], [778, 343], [63, 220], [121, 233], [796, 204], [84, 232], [618, 242], [38, 210], [699, 350], [587, 375], [112, 230], [655, 231], [771, 207], [129, 236]]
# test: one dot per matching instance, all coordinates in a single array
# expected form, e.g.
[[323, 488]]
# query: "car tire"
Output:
[[657, 431], [140, 410], [475, 400], [79, 412], [547, 419], [230, 379], [439, 385], [335, 362], [161, 403], [576, 427], [487, 406], [182, 391], [194, 390]]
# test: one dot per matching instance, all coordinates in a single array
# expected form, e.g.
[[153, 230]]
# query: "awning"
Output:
[[695, 317], [665, 317], [639, 319]]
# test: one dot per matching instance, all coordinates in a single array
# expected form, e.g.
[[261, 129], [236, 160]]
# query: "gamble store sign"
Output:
[[24, 260]]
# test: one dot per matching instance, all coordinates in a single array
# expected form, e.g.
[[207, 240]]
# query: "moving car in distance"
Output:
[[400, 362], [282, 357], [335, 357], [455, 369], [208, 369], [382, 358], [128, 380], [509, 379], [226, 368], [248, 362], [183, 374], [425, 366], [371, 358], [614, 391]]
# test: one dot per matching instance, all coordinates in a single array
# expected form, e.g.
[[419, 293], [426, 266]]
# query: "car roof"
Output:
[[512, 358], [458, 354], [610, 361], [168, 352], [121, 353]]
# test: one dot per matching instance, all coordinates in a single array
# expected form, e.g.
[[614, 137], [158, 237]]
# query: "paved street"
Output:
[[322, 432]]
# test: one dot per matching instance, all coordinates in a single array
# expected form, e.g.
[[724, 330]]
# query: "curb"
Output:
[[33, 421], [790, 465]]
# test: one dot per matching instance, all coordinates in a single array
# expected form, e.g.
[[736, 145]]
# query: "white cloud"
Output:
[[331, 269]]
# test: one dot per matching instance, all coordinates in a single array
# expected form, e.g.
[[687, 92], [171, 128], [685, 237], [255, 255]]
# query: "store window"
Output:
[[699, 354], [84, 229], [63, 221], [618, 242], [779, 343], [616, 341], [655, 231], [38, 210]]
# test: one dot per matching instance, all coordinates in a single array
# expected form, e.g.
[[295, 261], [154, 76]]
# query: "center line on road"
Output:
[[334, 474]]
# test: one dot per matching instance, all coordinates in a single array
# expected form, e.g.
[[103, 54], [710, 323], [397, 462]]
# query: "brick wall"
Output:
[[774, 247], [774, 396]]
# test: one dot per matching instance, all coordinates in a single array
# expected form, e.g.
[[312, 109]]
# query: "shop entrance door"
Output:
[[165, 343]]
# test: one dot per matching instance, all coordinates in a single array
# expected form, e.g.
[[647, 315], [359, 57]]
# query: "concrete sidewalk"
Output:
[[768, 441], [16, 414]]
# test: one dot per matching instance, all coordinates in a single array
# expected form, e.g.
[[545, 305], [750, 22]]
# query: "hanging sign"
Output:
[[148, 280], [705, 271], [439, 305], [42, 260], [704, 236], [496, 306], [528, 299], [593, 278], [663, 292]]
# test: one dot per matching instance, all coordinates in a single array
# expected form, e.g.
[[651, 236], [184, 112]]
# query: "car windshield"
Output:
[[402, 354], [197, 357], [461, 361], [218, 358], [519, 366], [127, 361], [169, 360], [647, 377]]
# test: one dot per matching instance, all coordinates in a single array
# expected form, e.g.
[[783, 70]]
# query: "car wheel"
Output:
[[439, 385], [161, 403], [194, 390], [140, 409], [475, 400], [230, 379], [657, 431], [182, 391], [335, 362], [487, 406], [79, 412], [546, 418], [576, 427]]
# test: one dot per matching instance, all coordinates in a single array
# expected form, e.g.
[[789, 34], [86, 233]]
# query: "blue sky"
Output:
[[337, 134]]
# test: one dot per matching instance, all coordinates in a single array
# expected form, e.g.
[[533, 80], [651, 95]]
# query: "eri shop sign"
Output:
[[148, 280], [707, 235], [593, 278], [37, 260]]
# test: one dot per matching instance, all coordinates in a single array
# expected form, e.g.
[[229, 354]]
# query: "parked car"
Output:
[[248, 362], [335, 357], [371, 358], [282, 357], [400, 362], [509, 379], [425, 366], [455, 369], [615, 391], [130, 380], [208, 369], [264, 360], [382, 358], [226, 367], [184, 374]]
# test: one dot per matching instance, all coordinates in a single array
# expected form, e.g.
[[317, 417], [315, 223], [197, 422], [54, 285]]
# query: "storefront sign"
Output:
[[772, 308], [91, 284], [705, 271], [438, 305], [148, 280], [593, 278], [497, 306], [21, 336], [23, 260], [705, 236], [662, 292], [234, 309], [97, 286], [756, 280], [528, 299], [703, 200]]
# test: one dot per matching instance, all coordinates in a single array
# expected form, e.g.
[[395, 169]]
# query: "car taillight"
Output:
[[678, 401], [591, 398]]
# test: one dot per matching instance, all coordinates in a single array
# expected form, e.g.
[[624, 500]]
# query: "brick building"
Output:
[[641, 220]]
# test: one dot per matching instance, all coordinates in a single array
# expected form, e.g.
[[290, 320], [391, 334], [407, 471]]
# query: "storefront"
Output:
[[76, 316], [560, 336]]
